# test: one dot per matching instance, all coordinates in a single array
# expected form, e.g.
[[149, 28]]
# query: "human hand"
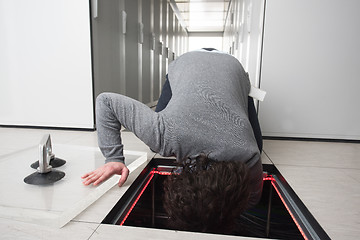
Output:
[[105, 172]]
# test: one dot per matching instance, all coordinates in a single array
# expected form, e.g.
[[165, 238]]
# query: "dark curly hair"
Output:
[[207, 195]]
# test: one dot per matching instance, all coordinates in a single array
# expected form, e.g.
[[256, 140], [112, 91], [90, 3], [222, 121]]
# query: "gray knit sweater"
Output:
[[207, 114]]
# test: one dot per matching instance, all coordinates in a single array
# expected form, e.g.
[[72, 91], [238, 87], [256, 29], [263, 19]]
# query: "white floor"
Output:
[[326, 176]]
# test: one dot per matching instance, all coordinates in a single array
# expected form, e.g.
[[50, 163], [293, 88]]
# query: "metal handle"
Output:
[[141, 33], [123, 15], [153, 41], [45, 154], [95, 8]]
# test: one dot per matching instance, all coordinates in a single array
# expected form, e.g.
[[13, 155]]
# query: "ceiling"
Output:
[[202, 15]]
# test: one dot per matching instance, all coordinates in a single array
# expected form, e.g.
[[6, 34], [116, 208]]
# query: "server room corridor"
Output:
[[58, 56]]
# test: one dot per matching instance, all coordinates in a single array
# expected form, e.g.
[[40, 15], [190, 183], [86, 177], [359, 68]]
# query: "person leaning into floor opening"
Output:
[[205, 119]]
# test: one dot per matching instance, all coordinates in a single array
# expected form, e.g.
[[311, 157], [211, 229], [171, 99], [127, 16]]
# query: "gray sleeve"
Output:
[[115, 110]]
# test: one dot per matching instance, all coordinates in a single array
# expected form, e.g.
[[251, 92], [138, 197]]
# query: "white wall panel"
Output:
[[243, 35], [147, 78], [310, 69], [108, 47], [45, 63]]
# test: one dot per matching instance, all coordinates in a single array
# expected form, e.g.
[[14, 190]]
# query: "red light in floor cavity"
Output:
[[287, 208], [160, 172], [138, 197], [142, 191], [267, 178]]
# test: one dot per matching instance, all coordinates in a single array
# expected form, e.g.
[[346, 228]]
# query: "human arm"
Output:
[[112, 112], [105, 172]]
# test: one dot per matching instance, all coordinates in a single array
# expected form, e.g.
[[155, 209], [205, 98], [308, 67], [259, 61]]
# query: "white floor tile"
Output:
[[317, 154], [20, 138], [10, 230], [353, 173], [265, 159], [85, 139], [136, 233], [99, 209], [332, 196], [54, 204], [325, 175]]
